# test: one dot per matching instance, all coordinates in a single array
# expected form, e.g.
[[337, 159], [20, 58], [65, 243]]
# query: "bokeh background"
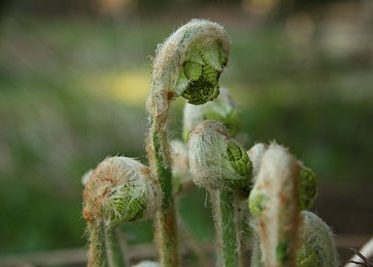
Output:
[[74, 76]]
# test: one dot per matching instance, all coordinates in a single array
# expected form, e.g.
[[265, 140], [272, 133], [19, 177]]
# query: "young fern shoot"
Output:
[[287, 236], [188, 63], [274, 202], [220, 165], [119, 190], [222, 109]]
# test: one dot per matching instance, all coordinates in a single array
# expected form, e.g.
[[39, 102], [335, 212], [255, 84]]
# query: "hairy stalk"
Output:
[[97, 245], [226, 225], [119, 190], [188, 63], [274, 202], [113, 249], [220, 165], [104, 249]]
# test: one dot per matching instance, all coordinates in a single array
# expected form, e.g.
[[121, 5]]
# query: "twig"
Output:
[[364, 254]]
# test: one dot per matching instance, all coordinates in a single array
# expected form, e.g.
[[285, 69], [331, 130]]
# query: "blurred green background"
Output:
[[74, 76]]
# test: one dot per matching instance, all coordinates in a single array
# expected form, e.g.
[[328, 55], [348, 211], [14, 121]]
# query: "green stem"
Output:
[[97, 252], [165, 220], [113, 250], [166, 237], [244, 233], [226, 226], [104, 249]]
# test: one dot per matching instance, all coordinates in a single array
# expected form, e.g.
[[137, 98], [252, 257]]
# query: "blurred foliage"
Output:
[[73, 92], [95, 7]]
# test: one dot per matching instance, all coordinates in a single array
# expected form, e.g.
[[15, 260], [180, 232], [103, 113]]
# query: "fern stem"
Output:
[[165, 219], [104, 249], [114, 254], [96, 252], [226, 227]]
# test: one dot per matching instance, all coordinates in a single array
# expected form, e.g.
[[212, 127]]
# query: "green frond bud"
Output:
[[257, 202], [274, 203], [200, 91], [195, 56], [214, 56], [192, 70], [308, 257], [238, 158], [202, 76], [216, 161], [119, 190], [318, 247], [307, 187], [223, 109]]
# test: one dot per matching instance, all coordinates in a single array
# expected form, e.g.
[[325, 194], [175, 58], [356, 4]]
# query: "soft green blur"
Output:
[[73, 90]]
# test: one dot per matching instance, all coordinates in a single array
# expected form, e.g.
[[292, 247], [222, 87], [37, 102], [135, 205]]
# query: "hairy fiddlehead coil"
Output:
[[189, 63], [318, 247], [222, 166], [274, 203], [307, 178], [119, 190], [216, 161], [222, 109]]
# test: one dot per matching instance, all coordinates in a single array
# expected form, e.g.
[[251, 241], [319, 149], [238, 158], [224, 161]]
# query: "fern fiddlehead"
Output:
[[119, 190], [220, 165], [189, 64]]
